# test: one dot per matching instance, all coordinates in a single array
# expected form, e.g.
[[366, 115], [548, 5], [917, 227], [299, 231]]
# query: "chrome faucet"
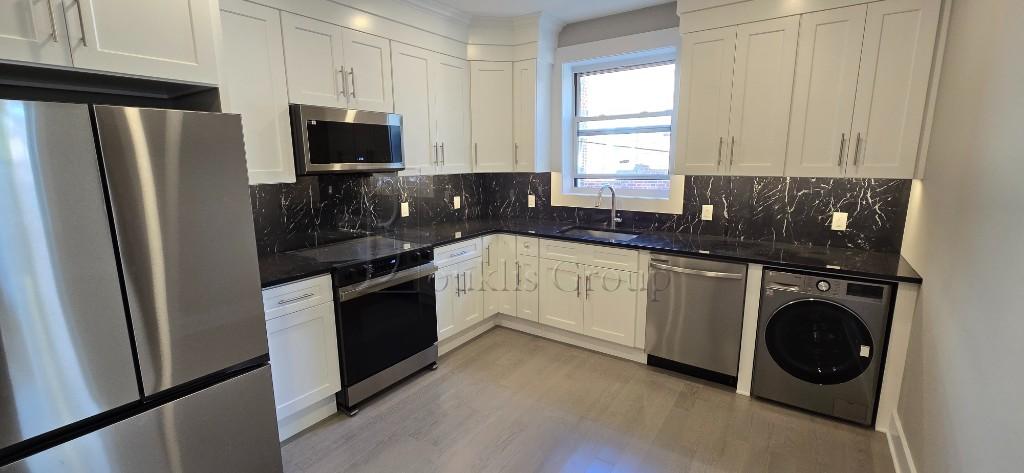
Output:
[[614, 216]]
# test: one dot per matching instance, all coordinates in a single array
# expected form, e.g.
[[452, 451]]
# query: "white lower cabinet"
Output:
[[527, 287], [303, 352], [609, 305], [499, 277], [459, 286], [561, 295]]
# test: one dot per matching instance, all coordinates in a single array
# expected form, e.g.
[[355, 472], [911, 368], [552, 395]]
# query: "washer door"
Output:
[[818, 341]]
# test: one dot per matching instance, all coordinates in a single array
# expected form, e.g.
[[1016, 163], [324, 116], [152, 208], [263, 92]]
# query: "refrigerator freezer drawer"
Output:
[[180, 199], [228, 427]]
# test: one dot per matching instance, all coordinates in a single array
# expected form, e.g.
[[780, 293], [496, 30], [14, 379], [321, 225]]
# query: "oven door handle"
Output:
[[353, 291]]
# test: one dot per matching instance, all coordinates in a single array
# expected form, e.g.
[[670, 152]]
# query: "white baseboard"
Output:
[[459, 339], [571, 338], [899, 449], [305, 418]]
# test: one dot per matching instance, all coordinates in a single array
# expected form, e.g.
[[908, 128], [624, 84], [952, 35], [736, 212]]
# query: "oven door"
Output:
[[334, 140], [381, 323]]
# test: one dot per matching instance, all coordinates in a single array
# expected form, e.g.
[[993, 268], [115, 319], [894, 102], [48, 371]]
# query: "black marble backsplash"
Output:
[[791, 210]]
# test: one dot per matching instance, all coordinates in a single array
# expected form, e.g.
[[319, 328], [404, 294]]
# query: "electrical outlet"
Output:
[[531, 201], [457, 202], [839, 221], [405, 209], [707, 212]]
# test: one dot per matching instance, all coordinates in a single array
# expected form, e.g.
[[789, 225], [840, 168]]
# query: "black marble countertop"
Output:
[[285, 267]]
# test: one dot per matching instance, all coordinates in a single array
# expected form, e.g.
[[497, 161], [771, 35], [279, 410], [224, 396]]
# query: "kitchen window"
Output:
[[622, 125]]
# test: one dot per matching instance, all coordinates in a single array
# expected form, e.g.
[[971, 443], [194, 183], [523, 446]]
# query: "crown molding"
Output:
[[438, 8]]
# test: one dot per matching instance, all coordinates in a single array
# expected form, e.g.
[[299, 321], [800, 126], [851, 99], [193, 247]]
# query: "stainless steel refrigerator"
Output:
[[132, 334]]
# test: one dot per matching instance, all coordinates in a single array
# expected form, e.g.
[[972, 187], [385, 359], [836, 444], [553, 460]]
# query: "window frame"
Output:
[[622, 62]]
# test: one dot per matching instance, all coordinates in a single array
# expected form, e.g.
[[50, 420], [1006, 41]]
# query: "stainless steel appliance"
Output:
[[130, 307], [695, 316], [386, 311], [337, 140], [821, 343]]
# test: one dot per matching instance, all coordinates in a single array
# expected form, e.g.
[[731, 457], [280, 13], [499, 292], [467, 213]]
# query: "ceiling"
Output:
[[568, 11]]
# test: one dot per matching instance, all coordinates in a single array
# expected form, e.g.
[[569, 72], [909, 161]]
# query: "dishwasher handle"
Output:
[[697, 272]]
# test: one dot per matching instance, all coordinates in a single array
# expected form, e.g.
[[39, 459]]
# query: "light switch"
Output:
[[707, 212], [839, 221], [531, 201], [405, 209], [457, 202]]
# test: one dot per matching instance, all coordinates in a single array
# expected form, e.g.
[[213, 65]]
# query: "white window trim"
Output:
[[634, 49]]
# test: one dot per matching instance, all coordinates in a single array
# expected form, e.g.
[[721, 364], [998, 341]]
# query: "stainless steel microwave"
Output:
[[337, 140]]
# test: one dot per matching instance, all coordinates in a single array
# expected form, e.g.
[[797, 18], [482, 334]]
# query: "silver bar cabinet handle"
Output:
[[295, 299], [856, 151], [721, 142], [579, 285], [352, 75], [842, 147], [476, 153], [515, 153], [344, 83], [732, 151], [437, 159], [53, 23], [81, 22], [442, 153]]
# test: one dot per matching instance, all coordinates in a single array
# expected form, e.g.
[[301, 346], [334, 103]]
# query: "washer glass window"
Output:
[[818, 341]]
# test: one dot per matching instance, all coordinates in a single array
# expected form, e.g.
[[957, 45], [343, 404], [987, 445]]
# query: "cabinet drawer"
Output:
[[614, 258], [564, 251], [457, 252], [295, 296], [527, 246]]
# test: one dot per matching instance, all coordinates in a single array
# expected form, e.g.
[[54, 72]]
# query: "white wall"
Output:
[[658, 17], [962, 406]]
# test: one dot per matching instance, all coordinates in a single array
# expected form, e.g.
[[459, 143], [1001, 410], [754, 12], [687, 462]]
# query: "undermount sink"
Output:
[[612, 235]]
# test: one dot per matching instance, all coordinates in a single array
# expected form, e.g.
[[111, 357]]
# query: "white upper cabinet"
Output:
[[450, 85], [313, 58], [828, 62], [896, 61], [761, 97], [494, 148], [411, 66], [704, 99], [524, 98], [34, 31], [254, 85], [367, 63], [169, 39]]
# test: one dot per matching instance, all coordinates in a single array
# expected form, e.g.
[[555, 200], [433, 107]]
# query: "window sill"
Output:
[[673, 204]]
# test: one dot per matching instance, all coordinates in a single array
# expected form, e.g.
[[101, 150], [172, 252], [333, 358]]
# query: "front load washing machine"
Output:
[[821, 343]]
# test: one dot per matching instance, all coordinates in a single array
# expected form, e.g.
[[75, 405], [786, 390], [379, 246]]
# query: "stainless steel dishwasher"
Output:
[[695, 316]]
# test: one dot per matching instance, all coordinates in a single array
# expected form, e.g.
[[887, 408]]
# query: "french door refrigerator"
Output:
[[132, 333]]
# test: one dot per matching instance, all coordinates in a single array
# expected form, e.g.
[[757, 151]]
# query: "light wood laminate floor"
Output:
[[512, 402]]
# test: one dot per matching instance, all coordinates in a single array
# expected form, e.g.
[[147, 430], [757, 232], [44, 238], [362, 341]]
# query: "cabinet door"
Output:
[[561, 296], [499, 275], [828, 60], [412, 95], [303, 358], [609, 309], [168, 39], [367, 61], [524, 98], [493, 145], [705, 95], [469, 303], [446, 285], [761, 95], [34, 31], [899, 38], [313, 55], [527, 274], [255, 87], [450, 111]]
